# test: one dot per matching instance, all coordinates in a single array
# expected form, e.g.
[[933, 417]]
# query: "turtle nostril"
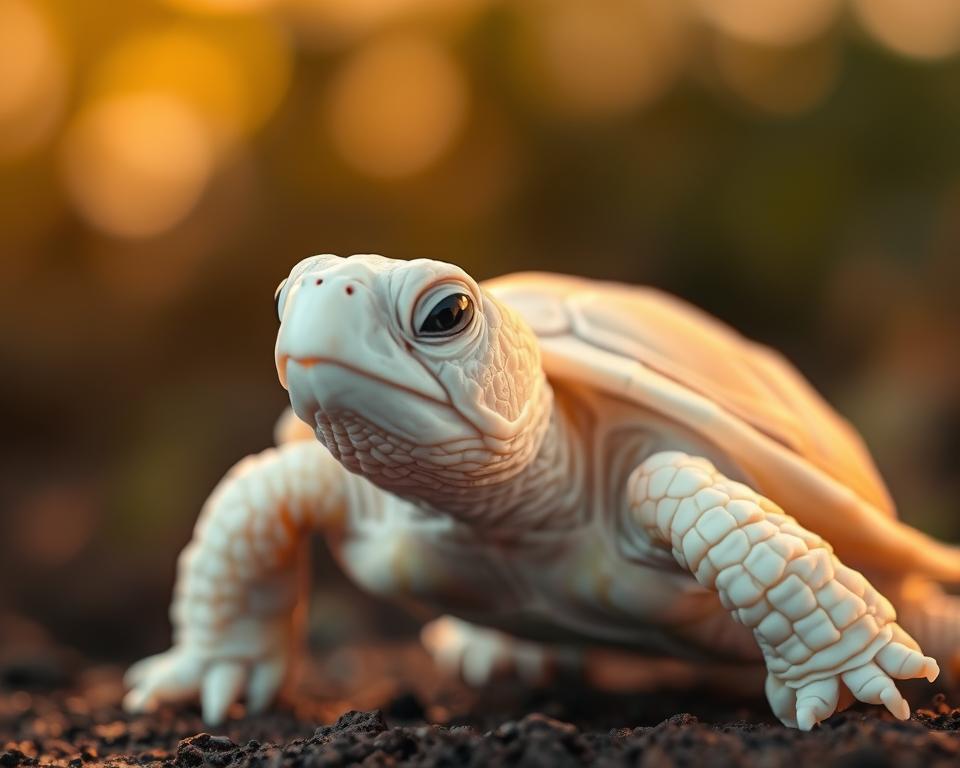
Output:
[[349, 290], [319, 281]]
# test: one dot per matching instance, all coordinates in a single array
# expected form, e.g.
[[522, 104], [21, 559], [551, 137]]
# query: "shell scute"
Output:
[[637, 345]]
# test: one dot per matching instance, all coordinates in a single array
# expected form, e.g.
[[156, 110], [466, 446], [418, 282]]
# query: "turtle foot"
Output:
[[479, 654], [803, 706]]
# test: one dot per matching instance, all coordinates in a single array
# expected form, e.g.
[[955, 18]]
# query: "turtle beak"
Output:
[[335, 350]]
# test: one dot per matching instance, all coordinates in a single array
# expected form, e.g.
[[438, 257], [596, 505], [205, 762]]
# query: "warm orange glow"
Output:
[[477, 178], [926, 29], [32, 77], [54, 524], [326, 24], [778, 81], [233, 72], [220, 6], [136, 165], [771, 22], [397, 106], [605, 56]]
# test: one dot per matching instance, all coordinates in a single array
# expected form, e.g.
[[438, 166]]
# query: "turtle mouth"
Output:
[[327, 388], [308, 363]]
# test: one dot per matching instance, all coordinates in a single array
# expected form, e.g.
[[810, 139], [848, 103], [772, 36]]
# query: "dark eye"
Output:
[[276, 297], [450, 315]]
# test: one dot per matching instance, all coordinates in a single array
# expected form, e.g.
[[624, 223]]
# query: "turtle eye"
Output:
[[276, 298], [449, 316]]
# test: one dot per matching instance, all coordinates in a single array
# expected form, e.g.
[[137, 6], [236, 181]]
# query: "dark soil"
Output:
[[388, 708]]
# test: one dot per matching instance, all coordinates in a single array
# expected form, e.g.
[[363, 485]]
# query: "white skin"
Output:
[[422, 387]]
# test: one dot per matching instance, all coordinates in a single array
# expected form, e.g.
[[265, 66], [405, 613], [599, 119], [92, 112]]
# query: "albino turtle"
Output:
[[558, 463]]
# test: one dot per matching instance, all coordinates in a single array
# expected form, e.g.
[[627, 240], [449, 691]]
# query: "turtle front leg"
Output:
[[817, 622], [237, 599]]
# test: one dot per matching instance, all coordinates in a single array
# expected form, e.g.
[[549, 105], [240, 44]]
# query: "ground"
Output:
[[385, 706]]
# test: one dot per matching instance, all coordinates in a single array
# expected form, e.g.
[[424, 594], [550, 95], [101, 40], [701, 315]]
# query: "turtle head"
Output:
[[411, 374]]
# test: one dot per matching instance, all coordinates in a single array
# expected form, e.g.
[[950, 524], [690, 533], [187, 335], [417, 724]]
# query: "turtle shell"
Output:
[[644, 346]]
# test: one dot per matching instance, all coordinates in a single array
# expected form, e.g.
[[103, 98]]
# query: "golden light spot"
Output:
[[182, 63], [146, 273], [605, 56], [778, 81], [396, 106], [234, 72], [221, 6], [135, 166], [925, 29], [770, 22], [32, 77]]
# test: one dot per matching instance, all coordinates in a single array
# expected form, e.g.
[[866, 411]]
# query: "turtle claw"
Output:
[[266, 680], [901, 661], [872, 685], [181, 673], [816, 701], [895, 703], [222, 685]]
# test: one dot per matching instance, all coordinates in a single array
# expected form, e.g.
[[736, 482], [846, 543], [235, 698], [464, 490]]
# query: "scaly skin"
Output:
[[236, 604], [817, 622], [439, 431]]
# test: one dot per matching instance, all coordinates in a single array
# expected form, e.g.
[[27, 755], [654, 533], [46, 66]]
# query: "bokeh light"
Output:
[[926, 29], [234, 72], [770, 22], [396, 106], [136, 165], [220, 6], [32, 77], [776, 80], [604, 57]]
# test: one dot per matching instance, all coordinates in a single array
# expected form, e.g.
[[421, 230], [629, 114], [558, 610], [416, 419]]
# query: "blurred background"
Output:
[[792, 167]]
